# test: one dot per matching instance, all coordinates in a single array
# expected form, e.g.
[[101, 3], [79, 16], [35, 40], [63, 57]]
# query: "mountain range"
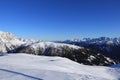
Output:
[[109, 47], [11, 44]]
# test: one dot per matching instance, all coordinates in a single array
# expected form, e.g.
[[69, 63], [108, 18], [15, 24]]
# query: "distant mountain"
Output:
[[109, 47], [99, 41], [8, 42], [11, 44]]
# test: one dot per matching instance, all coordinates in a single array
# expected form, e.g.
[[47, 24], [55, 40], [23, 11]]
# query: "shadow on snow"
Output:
[[22, 74]]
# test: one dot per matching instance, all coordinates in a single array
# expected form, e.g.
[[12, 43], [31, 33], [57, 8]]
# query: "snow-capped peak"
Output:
[[6, 36], [8, 41], [99, 41]]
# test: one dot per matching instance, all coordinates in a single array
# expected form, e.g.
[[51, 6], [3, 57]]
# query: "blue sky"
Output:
[[60, 19]]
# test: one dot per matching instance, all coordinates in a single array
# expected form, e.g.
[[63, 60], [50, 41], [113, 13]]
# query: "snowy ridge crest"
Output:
[[11, 44]]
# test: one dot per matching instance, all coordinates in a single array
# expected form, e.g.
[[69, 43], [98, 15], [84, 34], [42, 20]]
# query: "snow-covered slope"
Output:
[[75, 53], [31, 67], [44, 45]]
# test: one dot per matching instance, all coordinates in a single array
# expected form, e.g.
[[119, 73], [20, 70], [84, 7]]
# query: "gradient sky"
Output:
[[60, 19]]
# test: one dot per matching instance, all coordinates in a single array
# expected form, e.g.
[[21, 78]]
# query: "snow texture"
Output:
[[31, 67]]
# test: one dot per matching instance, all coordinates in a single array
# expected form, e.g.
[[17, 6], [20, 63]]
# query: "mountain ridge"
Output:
[[12, 44], [109, 47]]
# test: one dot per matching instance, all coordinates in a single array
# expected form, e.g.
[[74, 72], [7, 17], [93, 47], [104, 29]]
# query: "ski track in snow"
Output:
[[30, 67]]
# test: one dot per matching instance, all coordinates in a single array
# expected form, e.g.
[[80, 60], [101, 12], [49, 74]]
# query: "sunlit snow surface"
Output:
[[30, 67]]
